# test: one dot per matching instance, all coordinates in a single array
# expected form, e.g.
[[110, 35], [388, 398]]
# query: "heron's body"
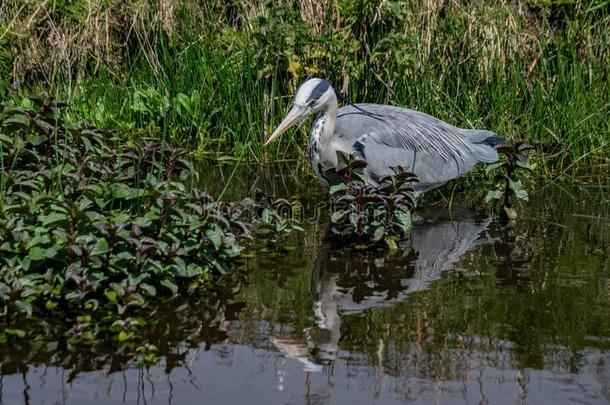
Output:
[[386, 137]]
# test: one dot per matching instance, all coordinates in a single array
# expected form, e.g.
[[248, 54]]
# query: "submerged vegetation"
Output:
[[211, 74]]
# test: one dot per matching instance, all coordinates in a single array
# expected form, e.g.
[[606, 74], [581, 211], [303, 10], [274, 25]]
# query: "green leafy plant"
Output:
[[91, 225], [507, 177], [366, 210]]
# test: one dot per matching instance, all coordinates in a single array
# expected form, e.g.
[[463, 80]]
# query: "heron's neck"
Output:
[[330, 115], [321, 154]]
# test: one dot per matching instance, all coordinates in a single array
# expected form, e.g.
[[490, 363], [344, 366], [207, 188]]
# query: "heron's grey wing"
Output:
[[388, 136]]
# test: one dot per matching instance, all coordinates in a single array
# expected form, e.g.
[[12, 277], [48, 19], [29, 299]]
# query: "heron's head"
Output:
[[313, 96]]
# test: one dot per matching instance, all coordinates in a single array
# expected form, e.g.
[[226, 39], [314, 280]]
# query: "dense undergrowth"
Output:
[[212, 75], [94, 229]]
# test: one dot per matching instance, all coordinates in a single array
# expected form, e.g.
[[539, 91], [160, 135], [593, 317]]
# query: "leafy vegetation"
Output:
[[513, 158], [212, 75], [96, 228], [99, 227], [369, 211]]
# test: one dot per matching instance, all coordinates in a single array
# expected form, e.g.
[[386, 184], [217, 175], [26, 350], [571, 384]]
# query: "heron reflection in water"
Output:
[[342, 284]]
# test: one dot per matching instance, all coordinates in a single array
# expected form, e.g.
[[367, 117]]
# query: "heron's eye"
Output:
[[311, 102]]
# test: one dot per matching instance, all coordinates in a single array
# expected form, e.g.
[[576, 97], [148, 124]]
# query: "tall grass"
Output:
[[216, 76]]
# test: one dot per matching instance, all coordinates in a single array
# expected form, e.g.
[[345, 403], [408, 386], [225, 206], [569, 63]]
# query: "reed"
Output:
[[216, 76]]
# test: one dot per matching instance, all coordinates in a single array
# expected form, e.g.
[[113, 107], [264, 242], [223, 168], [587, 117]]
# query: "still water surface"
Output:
[[467, 311]]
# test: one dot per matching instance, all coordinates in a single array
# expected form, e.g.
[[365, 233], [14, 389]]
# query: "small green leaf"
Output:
[[403, 220], [266, 216], [354, 218], [36, 253], [215, 236], [111, 295], [50, 305], [493, 166], [15, 332], [524, 164], [337, 216], [511, 213], [50, 253], [124, 336], [35, 139], [150, 290], [378, 234], [337, 187], [493, 195], [17, 121], [53, 219], [522, 195], [101, 247], [25, 306], [83, 319], [169, 285], [515, 184], [391, 244]]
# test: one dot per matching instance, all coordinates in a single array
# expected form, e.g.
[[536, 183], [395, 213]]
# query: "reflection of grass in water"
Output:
[[278, 289]]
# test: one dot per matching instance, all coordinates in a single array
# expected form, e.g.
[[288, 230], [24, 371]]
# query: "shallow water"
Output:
[[467, 311]]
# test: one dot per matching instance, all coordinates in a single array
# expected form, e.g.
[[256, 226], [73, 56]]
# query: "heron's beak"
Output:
[[295, 115]]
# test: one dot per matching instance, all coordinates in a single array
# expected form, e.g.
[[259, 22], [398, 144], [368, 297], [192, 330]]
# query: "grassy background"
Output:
[[217, 75]]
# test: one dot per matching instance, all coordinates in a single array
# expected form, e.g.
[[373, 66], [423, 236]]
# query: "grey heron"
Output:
[[384, 137]]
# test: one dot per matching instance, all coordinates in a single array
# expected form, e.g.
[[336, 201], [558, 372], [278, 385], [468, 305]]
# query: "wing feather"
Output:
[[390, 136]]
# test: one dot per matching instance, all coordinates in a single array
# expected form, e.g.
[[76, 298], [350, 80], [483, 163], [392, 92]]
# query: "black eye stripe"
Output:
[[320, 88]]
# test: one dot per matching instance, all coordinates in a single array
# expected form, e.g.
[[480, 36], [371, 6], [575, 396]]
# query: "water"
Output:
[[466, 311]]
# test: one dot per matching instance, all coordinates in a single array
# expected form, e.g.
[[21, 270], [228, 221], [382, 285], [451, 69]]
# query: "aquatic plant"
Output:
[[93, 227], [362, 209], [507, 177]]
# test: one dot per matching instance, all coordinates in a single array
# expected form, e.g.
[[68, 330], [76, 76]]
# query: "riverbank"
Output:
[[216, 77]]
